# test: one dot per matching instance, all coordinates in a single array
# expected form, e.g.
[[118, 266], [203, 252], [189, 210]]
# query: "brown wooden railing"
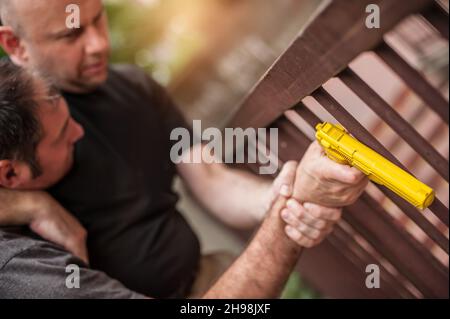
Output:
[[370, 233]]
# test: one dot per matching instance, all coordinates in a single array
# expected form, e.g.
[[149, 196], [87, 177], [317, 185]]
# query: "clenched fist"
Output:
[[324, 182]]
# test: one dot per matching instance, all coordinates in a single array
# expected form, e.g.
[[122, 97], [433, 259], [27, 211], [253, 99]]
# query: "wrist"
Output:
[[37, 205], [264, 200]]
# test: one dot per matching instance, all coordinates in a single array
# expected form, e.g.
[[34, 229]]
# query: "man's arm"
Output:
[[240, 199], [260, 272], [264, 267], [236, 197], [46, 217]]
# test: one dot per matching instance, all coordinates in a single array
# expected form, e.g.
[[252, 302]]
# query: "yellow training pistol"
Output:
[[345, 149]]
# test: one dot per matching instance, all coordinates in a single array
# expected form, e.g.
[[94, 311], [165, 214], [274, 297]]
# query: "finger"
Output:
[[315, 149], [84, 257], [283, 184], [78, 251], [317, 223], [360, 188], [297, 237], [289, 218], [321, 212], [277, 206], [301, 214], [351, 194], [295, 207], [325, 233], [342, 173], [310, 232]]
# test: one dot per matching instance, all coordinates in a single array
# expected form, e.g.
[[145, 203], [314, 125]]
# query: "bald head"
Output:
[[36, 35], [8, 16], [5, 6]]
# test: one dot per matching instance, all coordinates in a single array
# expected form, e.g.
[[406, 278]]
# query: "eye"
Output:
[[73, 35]]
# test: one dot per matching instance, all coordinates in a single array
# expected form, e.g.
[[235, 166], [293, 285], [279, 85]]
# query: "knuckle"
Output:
[[321, 224], [348, 199], [309, 244], [316, 214], [292, 233], [355, 178], [313, 210], [336, 216], [316, 234], [286, 215], [291, 163]]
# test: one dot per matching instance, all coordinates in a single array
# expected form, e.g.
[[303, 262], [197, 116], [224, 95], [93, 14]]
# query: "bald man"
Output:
[[120, 187]]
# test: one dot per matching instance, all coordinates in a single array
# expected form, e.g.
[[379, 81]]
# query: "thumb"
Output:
[[284, 183], [341, 173]]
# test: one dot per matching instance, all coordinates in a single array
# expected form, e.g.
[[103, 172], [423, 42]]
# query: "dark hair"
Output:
[[20, 130]]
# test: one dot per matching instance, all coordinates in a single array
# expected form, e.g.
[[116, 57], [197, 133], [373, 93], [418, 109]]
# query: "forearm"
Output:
[[16, 207], [264, 267], [237, 198]]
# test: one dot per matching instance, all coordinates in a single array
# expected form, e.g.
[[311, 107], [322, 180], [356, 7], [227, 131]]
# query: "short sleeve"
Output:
[[42, 272]]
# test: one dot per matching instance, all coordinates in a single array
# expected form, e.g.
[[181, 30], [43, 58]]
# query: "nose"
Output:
[[78, 132], [96, 41]]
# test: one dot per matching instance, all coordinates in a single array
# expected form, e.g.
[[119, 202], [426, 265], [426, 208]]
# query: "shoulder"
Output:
[[38, 269], [137, 80], [13, 242], [135, 76]]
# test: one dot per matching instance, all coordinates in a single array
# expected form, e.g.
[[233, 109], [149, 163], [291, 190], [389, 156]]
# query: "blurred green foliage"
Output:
[[131, 30], [154, 38], [297, 289]]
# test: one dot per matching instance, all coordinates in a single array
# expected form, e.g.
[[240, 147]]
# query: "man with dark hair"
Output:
[[120, 187], [38, 131], [18, 110], [27, 151]]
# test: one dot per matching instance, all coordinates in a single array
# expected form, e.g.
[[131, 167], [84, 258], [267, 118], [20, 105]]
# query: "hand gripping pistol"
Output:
[[341, 147]]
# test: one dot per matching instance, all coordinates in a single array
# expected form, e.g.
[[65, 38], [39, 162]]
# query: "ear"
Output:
[[13, 174], [13, 46]]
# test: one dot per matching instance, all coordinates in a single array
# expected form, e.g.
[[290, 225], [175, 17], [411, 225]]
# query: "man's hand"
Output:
[[46, 217], [54, 223], [324, 182], [308, 224]]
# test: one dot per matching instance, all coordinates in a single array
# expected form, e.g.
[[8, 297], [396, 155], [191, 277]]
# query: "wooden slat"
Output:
[[394, 243], [396, 286], [396, 122], [399, 248], [348, 121], [331, 41], [391, 287], [332, 274], [415, 80], [289, 134], [437, 17]]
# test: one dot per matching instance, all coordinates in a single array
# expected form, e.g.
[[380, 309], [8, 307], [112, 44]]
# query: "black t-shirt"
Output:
[[120, 187]]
